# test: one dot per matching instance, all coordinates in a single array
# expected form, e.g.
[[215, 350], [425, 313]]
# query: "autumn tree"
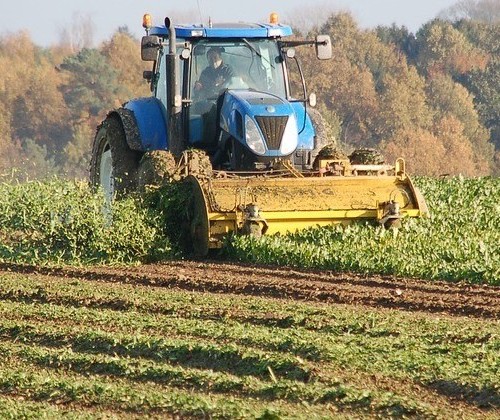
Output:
[[344, 88], [422, 150], [444, 49], [123, 53], [400, 38], [403, 105], [442, 150], [450, 99], [92, 86], [368, 84], [432, 97], [34, 109], [40, 113], [484, 84], [461, 156]]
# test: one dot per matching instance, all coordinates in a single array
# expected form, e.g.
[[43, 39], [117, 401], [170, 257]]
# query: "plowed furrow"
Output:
[[345, 288]]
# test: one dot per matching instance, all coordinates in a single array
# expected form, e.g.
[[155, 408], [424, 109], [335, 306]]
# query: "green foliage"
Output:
[[442, 48], [458, 242], [64, 222], [106, 349], [170, 205], [122, 53], [484, 83], [93, 83], [400, 38]]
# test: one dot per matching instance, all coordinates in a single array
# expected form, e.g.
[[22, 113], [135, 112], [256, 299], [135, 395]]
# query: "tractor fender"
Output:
[[144, 122], [129, 124]]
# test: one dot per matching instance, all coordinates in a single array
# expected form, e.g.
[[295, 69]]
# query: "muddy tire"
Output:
[[113, 165], [157, 168]]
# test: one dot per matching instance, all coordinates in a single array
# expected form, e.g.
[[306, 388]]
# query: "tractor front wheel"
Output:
[[113, 164]]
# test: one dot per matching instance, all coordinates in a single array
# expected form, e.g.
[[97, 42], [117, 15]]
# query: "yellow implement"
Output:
[[267, 205]]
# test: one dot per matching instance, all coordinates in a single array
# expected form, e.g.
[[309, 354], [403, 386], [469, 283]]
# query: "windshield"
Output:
[[250, 64]]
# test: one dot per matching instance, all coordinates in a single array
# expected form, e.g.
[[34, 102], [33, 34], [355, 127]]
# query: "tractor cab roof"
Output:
[[226, 30]]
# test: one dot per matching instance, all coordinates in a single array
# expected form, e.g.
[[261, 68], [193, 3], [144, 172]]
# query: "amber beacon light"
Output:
[[147, 22], [273, 18]]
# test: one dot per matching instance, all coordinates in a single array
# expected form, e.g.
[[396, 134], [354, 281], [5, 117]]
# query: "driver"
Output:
[[216, 75]]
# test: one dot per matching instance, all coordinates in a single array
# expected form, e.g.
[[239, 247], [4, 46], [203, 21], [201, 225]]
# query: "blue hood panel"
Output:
[[240, 104], [255, 103], [306, 131]]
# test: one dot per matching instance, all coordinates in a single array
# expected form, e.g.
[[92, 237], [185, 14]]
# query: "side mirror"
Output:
[[323, 47], [150, 45]]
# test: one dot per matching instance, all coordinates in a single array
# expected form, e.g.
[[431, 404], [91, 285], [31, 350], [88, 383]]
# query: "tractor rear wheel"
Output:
[[114, 164]]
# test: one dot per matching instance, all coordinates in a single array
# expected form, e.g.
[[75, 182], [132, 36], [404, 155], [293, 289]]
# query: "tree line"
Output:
[[432, 97], [53, 99]]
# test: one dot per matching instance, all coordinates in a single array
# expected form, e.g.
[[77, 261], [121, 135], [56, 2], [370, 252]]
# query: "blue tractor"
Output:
[[225, 90]]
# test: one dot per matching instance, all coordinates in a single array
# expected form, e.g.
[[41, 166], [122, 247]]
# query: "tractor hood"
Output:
[[264, 123]]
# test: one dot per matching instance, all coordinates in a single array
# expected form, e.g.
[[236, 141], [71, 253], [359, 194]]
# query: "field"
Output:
[[229, 341], [102, 317]]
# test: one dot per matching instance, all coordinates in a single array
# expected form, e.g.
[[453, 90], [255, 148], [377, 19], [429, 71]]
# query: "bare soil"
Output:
[[455, 299]]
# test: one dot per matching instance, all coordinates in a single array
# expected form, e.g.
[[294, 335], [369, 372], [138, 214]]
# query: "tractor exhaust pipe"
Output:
[[174, 100]]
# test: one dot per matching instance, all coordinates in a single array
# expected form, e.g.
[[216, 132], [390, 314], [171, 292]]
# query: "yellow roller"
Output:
[[267, 205]]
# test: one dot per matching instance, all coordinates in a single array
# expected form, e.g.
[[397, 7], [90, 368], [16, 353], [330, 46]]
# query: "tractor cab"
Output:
[[227, 86]]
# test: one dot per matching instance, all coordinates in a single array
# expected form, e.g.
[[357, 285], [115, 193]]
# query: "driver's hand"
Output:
[[198, 85], [219, 81]]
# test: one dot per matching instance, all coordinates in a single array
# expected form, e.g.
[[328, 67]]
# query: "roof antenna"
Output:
[[199, 11], [209, 22]]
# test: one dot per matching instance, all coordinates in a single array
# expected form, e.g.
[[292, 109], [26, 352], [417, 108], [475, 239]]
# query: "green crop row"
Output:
[[256, 348], [65, 222], [95, 347], [247, 349], [62, 222], [459, 242]]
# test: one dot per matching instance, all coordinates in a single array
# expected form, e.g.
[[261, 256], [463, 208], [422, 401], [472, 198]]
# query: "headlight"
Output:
[[290, 138], [253, 137]]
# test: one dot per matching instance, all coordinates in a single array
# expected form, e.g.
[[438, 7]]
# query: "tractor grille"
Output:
[[273, 129]]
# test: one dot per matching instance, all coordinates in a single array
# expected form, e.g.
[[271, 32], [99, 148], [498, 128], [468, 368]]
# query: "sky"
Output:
[[46, 20]]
